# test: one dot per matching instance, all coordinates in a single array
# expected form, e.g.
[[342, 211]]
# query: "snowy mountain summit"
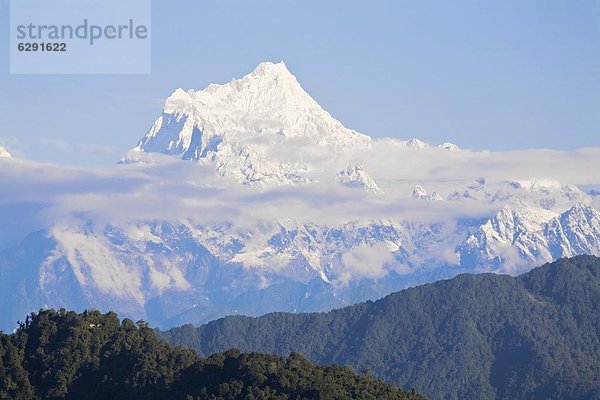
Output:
[[420, 193], [257, 129], [354, 176], [4, 153]]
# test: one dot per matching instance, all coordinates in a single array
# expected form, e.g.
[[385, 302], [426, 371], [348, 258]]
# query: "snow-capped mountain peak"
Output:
[[267, 102], [270, 87], [417, 144], [354, 176], [237, 126], [536, 184], [576, 231], [413, 143], [4, 153], [449, 146], [420, 193]]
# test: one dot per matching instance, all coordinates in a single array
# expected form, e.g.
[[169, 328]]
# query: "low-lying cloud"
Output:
[[169, 189]]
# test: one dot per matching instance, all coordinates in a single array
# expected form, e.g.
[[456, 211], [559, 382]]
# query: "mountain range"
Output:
[[248, 197], [484, 336]]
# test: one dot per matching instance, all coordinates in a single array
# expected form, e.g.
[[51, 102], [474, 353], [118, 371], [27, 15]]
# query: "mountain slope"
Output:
[[474, 336], [64, 355]]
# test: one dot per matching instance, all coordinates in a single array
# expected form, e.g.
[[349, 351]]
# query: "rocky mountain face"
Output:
[[251, 198], [526, 235]]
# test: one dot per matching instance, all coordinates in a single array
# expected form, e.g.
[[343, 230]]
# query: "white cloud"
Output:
[[90, 256], [365, 261], [176, 190]]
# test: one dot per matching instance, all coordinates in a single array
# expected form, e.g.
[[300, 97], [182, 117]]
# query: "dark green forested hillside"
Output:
[[65, 355], [486, 336]]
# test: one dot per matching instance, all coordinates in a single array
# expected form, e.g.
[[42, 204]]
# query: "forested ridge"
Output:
[[536, 336], [65, 355]]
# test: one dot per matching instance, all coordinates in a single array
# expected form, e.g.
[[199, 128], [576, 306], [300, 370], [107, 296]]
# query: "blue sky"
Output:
[[486, 75]]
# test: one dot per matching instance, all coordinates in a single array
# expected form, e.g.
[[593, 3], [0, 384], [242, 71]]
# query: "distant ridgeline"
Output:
[[65, 355], [485, 336]]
